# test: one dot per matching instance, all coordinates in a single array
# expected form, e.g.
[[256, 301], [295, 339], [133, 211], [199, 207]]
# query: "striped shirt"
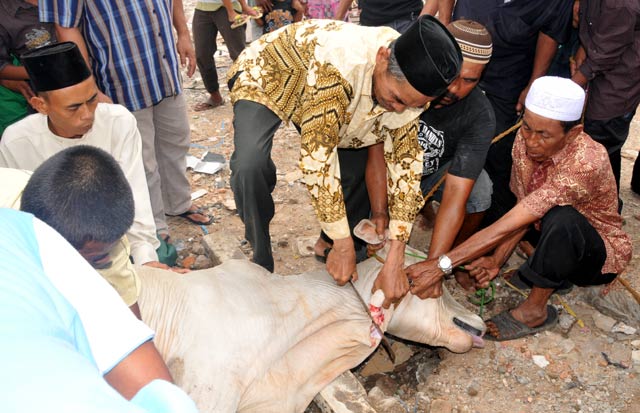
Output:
[[131, 43]]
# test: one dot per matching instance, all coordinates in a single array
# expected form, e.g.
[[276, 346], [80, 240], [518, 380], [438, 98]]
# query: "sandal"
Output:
[[187, 215], [511, 329], [240, 20]]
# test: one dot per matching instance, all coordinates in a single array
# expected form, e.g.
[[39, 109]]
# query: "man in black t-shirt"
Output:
[[525, 35], [456, 134]]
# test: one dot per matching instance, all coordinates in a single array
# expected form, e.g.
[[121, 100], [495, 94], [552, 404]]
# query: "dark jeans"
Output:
[[253, 174], [205, 27], [499, 162], [612, 134], [569, 251]]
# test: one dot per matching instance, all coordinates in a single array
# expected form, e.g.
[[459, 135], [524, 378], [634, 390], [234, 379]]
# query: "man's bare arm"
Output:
[[138, 369], [450, 214], [546, 49]]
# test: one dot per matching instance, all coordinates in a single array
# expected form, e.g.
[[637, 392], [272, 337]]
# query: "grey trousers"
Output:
[[205, 27], [165, 133], [253, 174]]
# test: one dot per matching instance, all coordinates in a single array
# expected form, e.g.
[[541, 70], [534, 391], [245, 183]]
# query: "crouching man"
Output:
[[566, 191]]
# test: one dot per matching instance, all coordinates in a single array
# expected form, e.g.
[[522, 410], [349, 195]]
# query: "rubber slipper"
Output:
[[323, 258], [188, 213], [240, 20], [511, 329], [207, 104]]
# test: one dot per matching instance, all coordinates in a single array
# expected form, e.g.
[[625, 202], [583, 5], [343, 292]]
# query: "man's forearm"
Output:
[[546, 49], [73, 34], [12, 72], [376, 178], [482, 242], [504, 250], [343, 9], [179, 20], [445, 11]]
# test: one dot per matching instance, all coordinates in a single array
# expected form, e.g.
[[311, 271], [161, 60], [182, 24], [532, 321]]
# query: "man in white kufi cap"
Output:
[[567, 206]]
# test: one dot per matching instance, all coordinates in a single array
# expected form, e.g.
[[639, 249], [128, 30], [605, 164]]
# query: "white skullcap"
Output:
[[555, 98]]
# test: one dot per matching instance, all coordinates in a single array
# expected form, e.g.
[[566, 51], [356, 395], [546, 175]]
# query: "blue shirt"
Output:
[[45, 353], [131, 43]]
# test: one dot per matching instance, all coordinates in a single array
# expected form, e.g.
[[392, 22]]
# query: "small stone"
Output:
[[523, 380], [473, 389], [189, 261], [387, 385], [304, 245], [603, 322], [502, 369], [540, 361], [382, 403], [635, 356], [198, 249], [202, 262], [402, 352], [566, 321], [635, 344], [422, 402], [567, 345], [441, 406], [230, 204], [624, 329]]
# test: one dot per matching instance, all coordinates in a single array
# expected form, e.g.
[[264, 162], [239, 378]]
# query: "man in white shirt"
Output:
[[69, 115]]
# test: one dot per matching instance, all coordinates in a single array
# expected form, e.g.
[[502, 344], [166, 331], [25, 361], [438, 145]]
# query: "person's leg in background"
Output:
[[205, 32], [253, 175]]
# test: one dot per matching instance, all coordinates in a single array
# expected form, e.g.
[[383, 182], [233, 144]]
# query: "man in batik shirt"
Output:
[[342, 86]]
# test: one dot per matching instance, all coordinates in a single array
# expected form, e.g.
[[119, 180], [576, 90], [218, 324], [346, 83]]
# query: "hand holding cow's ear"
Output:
[[426, 279]]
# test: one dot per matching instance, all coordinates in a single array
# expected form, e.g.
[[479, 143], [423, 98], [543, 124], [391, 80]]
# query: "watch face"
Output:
[[445, 262]]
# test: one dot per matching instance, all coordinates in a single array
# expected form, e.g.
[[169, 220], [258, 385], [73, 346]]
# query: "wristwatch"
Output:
[[445, 265]]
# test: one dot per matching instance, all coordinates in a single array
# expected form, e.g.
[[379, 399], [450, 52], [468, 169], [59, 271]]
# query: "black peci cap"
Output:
[[55, 66], [429, 56]]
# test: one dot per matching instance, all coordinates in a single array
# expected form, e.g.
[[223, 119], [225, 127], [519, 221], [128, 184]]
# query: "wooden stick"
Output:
[[629, 288]]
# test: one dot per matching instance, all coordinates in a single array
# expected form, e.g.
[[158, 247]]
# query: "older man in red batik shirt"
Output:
[[566, 191]]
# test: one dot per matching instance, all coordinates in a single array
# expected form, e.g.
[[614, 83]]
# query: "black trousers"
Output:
[[253, 174], [612, 134], [569, 251]]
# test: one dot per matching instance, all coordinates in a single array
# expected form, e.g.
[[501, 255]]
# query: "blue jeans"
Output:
[[479, 199]]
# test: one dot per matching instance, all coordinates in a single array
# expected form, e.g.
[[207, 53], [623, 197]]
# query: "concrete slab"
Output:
[[344, 395], [222, 247]]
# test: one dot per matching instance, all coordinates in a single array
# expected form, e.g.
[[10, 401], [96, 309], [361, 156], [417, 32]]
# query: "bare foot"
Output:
[[320, 246]]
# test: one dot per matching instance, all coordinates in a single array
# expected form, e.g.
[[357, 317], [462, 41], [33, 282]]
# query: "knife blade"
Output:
[[383, 341]]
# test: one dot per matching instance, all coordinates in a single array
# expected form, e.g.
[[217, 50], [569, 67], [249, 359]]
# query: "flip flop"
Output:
[[240, 20], [188, 213], [511, 329], [207, 104]]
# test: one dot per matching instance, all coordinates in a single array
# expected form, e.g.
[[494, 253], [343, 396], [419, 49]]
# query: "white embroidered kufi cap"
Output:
[[555, 98]]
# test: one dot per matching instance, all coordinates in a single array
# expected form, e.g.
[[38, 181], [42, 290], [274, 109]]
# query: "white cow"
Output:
[[238, 338]]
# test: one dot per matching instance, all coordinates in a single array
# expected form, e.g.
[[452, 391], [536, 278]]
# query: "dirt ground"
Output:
[[589, 367]]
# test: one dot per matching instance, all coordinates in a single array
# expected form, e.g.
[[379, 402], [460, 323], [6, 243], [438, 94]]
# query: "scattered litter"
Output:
[[198, 194], [210, 163], [540, 361], [230, 204]]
